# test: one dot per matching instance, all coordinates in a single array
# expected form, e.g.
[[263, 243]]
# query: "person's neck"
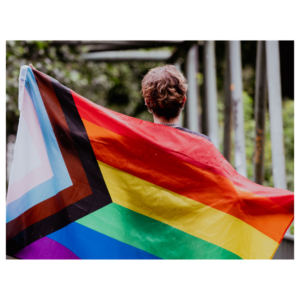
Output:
[[162, 120]]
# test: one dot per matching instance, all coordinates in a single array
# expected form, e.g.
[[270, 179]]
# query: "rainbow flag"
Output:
[[90, 183]]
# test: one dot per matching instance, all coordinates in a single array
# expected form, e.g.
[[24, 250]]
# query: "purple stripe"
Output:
[[46, 248]]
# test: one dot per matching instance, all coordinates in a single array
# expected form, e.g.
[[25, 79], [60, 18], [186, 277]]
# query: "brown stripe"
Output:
[[80, 188]]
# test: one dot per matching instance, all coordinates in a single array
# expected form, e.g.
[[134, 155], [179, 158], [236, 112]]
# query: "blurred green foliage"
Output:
[[288, 129], [113, 85], [249, 127]]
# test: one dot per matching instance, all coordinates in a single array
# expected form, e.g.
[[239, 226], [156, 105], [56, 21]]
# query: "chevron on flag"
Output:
[[90, 183]]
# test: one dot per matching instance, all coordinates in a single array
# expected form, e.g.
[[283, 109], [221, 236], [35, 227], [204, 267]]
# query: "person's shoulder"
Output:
[[193, 132]]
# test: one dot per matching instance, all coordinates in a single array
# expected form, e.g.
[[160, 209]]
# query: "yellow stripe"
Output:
[[188, 215]]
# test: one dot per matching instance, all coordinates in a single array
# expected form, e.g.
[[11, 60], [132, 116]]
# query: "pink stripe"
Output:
[[44, 171]]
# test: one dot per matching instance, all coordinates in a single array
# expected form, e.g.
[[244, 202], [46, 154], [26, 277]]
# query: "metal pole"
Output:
[[193, 94], [275, 109], [177, 65], [128, 55], [210, 87], [237, 103], [259, 112], [227, 108]]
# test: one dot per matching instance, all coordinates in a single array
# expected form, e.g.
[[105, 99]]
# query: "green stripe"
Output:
[[151, 235]]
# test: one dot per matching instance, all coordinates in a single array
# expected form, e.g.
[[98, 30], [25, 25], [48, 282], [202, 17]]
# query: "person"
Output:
[[164, 91]]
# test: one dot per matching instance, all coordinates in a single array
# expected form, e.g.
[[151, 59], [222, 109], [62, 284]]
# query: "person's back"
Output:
[[164, 90]]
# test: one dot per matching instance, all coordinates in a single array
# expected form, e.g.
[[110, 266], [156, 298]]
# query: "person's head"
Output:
[[164, 90]]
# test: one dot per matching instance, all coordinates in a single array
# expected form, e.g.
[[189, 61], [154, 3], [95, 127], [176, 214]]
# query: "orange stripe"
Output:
[[189, 148], [188, 180]]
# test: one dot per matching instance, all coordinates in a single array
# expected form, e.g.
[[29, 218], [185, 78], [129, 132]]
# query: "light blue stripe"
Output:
[[58, 166], [61, 178], [34, 196]]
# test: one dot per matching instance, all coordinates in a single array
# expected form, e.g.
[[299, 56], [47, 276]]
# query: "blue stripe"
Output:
[[61, 178], [89, 244], [34, 196]]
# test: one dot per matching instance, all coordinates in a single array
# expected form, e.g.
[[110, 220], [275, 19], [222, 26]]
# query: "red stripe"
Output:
[[182, 178], [189, 148]]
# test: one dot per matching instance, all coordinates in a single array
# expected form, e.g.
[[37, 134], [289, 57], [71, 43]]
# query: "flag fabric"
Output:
[[91, 183]]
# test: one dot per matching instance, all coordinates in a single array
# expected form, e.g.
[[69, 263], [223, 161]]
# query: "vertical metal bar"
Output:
[[178, 67], [237, 103], [227, 108], [193, 92], [259, 112], [210, 87], [275, 109], [184, 72]]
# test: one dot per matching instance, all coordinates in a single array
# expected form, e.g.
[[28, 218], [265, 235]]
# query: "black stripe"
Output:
[[79, 209], [84, 148]]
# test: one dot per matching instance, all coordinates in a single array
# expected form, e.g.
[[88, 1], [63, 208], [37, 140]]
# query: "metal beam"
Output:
[[237, 103], [128, 55], [259, 112], [182, 50], [275, 109], [227, 108], [210, 94], [132, 45], [97, 46], [146, 44], [178, 67], [193, 92]]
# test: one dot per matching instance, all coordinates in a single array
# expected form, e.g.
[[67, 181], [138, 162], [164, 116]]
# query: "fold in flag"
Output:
[[90, 183]]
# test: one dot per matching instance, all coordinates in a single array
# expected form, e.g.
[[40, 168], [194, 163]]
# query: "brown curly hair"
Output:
[[164, 88]]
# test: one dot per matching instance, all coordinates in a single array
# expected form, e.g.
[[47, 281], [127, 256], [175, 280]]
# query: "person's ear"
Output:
[[184, 99]]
